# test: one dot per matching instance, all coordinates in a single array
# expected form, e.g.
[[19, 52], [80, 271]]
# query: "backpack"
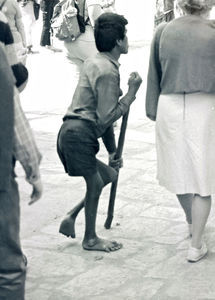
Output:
[[68, 20]]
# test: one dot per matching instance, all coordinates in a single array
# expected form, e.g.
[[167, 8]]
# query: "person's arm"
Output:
[[25, 149], [94, 10], [154, 76], [6, 120], [109, 107], [110, 145], [108, 139], [114, 109]]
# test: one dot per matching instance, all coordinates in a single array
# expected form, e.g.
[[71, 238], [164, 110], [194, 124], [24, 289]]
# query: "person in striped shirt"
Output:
[[17, 143], [14, 17], [25, 149]]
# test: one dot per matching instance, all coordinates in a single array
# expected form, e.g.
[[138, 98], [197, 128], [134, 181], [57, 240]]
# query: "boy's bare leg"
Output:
[[91, 241], [67, 226]]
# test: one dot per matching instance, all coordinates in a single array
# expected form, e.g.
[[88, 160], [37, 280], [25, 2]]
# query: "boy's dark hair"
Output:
[[109, 27]]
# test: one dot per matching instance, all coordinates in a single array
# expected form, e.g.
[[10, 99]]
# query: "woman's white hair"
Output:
[[195, 6]]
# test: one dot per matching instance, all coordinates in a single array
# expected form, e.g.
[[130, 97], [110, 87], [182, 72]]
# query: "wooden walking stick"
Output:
[[118, 155]]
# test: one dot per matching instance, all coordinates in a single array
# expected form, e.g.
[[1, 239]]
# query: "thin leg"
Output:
[[94, 188], [91, 241], [186, 203], [67, 226], [75, 211], [201, 207]]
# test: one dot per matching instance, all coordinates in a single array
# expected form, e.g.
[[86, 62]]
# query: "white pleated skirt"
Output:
[[185, 143]]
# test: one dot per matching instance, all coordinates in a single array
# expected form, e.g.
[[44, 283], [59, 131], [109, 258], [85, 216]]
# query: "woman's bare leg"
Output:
[[185, 201], [201, 207]]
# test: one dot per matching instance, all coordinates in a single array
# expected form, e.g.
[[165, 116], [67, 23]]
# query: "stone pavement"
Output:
[[148, 219]]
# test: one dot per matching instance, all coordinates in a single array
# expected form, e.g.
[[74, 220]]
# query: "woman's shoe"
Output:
[[195, 254]]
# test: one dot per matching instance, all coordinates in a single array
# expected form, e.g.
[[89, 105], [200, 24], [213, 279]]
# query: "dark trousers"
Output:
[[12, 266], [47, 7]]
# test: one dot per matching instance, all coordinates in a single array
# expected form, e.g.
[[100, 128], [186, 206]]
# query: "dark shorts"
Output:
[[77, 146]]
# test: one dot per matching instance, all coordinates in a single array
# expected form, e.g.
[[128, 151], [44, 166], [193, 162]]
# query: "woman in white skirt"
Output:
[[181, 98]]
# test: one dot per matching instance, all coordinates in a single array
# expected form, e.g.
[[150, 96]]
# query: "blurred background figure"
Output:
[[12, 271], [29, 20], [16, 143], [84, 46], [47, 7], [109, 6], [12, 11], [164, 11]]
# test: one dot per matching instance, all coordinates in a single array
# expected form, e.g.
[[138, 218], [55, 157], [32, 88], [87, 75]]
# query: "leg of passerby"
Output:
[[201, 207], [47, 7], [29, 22], [29, 31], [91, 241], [45, 37], [186, 203], [67, 226], [12, 264]]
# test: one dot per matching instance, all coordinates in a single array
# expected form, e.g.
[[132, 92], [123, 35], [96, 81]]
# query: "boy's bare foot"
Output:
[[98, 244], [67, 227]]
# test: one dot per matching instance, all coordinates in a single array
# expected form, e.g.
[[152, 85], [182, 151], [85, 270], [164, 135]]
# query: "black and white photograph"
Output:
[[107, 149]]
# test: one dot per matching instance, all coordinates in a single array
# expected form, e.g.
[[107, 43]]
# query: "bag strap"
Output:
[[78, 7], [3, 3]]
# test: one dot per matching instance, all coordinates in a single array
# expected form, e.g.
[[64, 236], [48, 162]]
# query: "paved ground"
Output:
[[148, 220]]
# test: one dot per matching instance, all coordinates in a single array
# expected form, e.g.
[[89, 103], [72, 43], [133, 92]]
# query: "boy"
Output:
[[95, 107]]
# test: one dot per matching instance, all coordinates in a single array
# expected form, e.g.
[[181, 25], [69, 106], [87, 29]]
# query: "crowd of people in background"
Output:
[[179, 97]]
